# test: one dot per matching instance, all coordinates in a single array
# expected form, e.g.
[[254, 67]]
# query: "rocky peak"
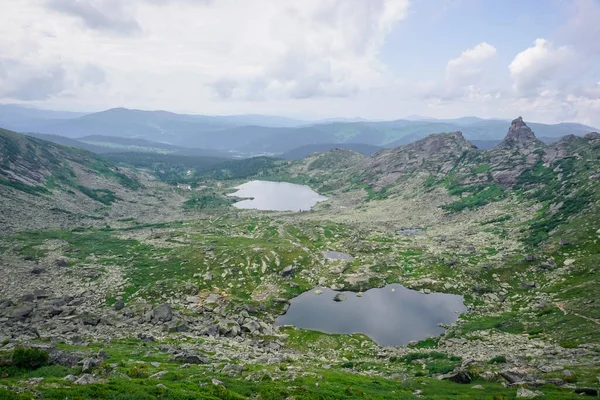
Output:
[[519, 135], [435, 153], [592, 136], [439, 143]]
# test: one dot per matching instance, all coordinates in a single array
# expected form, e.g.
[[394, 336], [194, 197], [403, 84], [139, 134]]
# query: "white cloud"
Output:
[[190, 51], [467, 67], [464, 78], [541, 65]]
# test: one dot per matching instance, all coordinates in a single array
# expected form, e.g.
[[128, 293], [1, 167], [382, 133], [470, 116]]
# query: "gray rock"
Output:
[[526, 393], [85, 379], [516, 376], [211, 330], [37, 271], [232, 370], [119, 305], [477, 387], [251, 326], [462, 377], [145, 337], [61, 262], [59, 357], [70, 378], [527, 285], [102, 355], [5, 303], [288, 271], [217, 382], [28, 297], [339, 297], [89, 319], [176, 326], [190, 358], [22, 312], [162, 313], [158, 375], [89, 364], [564, 242]]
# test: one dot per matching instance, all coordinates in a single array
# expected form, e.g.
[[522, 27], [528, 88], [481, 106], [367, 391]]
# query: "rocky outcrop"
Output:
[[519, 136], [435, 153]]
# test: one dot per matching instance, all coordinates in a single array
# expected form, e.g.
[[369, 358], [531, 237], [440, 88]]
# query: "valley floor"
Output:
[[183, 308]]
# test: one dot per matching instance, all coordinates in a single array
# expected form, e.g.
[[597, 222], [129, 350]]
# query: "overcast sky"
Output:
[[380, 59]]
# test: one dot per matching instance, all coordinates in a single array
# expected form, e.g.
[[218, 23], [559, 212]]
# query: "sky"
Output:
[[376, 59]]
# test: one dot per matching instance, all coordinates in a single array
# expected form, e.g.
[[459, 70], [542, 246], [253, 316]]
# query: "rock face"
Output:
[[519, 135], [434, 153]]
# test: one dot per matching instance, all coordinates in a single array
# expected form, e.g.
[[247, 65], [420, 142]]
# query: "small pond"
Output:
[[390, 316], [276, 196], [408, 230]]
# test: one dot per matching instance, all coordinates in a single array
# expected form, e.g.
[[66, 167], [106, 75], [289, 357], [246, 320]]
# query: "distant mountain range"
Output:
[[162, 131]]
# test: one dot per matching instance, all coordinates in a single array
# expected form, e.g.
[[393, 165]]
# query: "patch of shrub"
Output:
[[32, 358], [568, 344], [497, 360], [138, 371]]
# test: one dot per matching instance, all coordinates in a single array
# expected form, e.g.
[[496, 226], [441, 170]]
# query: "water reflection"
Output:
[[276, 196], [391, 316]]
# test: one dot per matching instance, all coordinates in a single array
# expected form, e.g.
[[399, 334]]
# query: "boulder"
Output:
[[85, 379], [232, 370], [526, 393], [190, 358], [162, 313], [5, 303], [339, 297], [158, 375], [462, 377], [89, 319], [564, 242], [89, 364], [176, 326], [21, 312], [61, 262], [527, 285], [288, 271], [119, 305], [250, 326], [516, 376], [66, 359]]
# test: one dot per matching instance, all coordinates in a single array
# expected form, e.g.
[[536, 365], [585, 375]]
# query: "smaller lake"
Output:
[[276, 196], [390, 316]]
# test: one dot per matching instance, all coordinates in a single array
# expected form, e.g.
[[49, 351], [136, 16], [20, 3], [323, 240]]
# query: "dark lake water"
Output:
[[277, 196], [390, 316]]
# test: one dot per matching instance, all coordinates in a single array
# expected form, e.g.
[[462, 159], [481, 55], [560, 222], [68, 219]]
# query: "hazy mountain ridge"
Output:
[[254, 134]]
